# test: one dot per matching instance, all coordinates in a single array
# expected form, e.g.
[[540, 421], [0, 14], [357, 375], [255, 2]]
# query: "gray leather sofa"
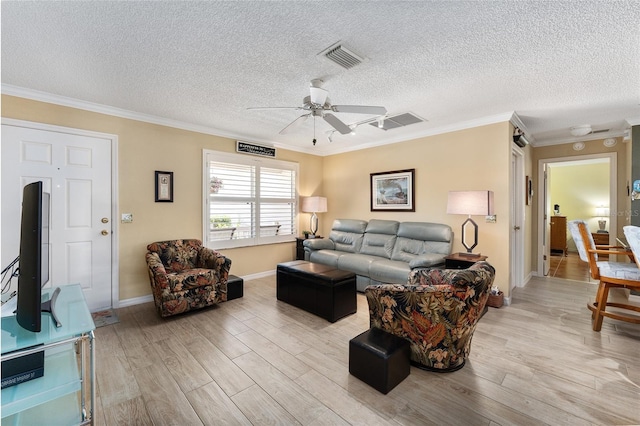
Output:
[[381, 251]]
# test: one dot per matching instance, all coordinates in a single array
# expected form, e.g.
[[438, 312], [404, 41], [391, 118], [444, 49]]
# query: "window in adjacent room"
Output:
[[248, 200]]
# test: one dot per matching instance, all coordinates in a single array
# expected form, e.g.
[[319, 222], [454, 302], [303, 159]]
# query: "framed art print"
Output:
[[164, 187], [393, 191]]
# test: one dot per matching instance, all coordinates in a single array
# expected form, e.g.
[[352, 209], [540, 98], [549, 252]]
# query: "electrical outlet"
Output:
[[127, 217]]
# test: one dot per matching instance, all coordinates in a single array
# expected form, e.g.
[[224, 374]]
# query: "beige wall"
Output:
[[144, 148], [469, 159], [472, 159], [565, 183]]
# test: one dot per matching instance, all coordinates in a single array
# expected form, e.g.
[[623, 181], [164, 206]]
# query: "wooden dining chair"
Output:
[[612, 275]]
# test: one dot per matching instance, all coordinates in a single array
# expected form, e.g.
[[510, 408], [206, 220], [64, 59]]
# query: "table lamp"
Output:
[[314, 205], [479, 203]]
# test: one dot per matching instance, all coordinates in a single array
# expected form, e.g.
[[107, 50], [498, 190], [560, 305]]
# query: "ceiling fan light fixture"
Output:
[[318, 95], [581, 130]]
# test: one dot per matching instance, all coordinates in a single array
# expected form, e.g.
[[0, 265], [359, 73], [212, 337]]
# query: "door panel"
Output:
[[76, 171]]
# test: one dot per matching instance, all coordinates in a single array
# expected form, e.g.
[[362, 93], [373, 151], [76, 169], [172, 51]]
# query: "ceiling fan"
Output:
[[317, 104]]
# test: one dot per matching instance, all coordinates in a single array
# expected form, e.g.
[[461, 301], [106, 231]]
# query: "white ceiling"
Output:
[[200, 65]]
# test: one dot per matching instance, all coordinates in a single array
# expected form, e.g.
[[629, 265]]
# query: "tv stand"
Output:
[[67, 387], [50, 307]]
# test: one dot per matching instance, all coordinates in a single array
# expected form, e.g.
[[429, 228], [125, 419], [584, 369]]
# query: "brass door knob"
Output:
[[105, 220], [104, 232]]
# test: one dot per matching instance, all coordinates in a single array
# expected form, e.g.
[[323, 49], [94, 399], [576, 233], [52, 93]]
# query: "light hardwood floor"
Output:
[[258, 361]]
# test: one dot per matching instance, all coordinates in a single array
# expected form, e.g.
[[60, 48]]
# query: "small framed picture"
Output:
[[393, 191], [164, 187]]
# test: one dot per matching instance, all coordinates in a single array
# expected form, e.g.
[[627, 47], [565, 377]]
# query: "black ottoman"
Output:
[[235, 286], [379, 359], [320, 289]]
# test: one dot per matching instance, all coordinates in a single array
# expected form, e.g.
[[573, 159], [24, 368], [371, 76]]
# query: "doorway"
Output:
[[585, 188], [77, 169]]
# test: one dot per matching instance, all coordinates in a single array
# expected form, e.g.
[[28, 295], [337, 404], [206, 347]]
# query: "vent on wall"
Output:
[[396, 121], [342, 56]]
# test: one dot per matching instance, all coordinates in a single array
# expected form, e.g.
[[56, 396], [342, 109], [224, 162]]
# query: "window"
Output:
[[248, 200]]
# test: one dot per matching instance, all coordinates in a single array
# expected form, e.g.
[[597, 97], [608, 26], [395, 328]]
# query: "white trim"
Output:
[[36, 95], [613, 197], [115, 253], [149, 298], [136, 301], [517, 218]]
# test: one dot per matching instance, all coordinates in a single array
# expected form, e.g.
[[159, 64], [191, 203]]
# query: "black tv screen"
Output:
[[34, 256]]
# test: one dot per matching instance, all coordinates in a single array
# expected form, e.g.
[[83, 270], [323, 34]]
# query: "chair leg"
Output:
[[601, 304]]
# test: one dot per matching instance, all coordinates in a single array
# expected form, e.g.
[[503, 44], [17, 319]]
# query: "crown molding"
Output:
[[37, 95]]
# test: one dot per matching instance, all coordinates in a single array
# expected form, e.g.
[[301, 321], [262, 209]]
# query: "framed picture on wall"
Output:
[[393, 191], [164, 187]]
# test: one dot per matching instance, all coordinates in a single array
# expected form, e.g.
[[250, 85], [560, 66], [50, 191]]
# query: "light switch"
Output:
[[127, 217]]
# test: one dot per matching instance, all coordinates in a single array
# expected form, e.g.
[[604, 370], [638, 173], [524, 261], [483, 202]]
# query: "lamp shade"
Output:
[[479, 203], [602, 211], [314, 204]]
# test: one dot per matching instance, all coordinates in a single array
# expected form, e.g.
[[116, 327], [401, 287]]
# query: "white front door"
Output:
[[76, 171]]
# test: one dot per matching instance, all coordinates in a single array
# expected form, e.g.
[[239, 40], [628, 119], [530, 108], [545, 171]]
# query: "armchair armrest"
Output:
[[157, 272], [213, 259], [613, 250]]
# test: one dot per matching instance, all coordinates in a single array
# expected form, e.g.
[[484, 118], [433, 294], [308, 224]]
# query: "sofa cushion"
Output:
[[377, 226], [438, 237], [389, 271], [326, 257], [427, 260], [378, 245], [349, 225], [406, 249], [356, 263], [379, 238]]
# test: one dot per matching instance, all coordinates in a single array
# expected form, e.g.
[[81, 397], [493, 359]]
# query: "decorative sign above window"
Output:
[[249, 148]]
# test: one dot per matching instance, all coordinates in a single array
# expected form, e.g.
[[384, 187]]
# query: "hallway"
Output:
[[569, 267]]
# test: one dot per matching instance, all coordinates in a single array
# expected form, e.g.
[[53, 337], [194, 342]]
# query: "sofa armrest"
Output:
[[428, 260], [318, 244]]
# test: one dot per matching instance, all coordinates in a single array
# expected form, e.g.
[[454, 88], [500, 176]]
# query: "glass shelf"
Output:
[[58, 392]]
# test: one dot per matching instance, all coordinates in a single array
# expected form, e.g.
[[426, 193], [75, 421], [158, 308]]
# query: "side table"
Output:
[[300, 247], [462, 260]]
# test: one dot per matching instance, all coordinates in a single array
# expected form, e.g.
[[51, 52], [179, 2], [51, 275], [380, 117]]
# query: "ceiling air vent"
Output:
[[342, 56], [396, 121]]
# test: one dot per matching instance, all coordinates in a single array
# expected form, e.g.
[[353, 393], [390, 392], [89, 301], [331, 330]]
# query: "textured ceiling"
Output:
[[200, 65]]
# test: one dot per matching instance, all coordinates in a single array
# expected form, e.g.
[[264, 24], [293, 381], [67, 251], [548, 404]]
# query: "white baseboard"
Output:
[[135, 301], [149, 298]]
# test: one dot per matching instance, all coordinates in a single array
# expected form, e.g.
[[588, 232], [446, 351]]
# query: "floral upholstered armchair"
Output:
[[436, 311], [185, 275]]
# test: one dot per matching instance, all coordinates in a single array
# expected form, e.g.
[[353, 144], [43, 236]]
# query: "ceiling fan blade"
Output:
[[336, 123], [275, 108], [360, 109], [318, 95], [294, 124]]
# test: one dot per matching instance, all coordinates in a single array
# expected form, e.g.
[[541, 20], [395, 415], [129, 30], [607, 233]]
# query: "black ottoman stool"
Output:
[[379, 359], [235, 286]]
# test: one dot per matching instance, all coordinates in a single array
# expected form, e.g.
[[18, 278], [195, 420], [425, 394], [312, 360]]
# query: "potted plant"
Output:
[[306, 234]]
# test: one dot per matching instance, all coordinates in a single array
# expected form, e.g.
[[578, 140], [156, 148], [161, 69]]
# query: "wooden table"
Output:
[[462, 260]]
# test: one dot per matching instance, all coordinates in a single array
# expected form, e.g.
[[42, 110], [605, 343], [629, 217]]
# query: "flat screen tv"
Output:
[[34, 259]]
